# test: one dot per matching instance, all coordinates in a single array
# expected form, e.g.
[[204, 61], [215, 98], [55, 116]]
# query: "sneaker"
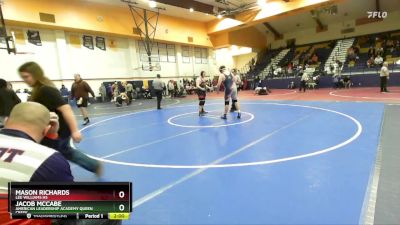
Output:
[[86, 122], [239, 115], [223, 117], [204, 112]]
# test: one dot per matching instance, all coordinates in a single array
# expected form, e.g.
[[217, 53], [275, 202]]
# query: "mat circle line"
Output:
[[256, 163]]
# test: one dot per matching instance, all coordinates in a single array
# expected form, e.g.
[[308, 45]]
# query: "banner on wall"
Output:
[[75, 40], [112, 43], [88, 42], [34, 37], [19, 36], [101, 43]]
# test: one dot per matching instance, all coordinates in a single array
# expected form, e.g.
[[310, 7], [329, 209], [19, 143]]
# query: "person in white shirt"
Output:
[[378, 60], [303, 81], [384, 75]]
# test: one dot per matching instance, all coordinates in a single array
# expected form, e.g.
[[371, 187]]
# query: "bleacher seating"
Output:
[[328, 52]]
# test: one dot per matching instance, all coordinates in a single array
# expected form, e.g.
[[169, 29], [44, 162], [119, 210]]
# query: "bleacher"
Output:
[[263, 60], [325, 54], [376, 41]]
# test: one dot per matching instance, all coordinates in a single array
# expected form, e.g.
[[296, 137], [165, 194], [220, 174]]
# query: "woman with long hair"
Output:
[[45, 93]]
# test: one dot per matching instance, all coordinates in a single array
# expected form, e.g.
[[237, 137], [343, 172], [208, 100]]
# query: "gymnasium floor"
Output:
[[293, 158]]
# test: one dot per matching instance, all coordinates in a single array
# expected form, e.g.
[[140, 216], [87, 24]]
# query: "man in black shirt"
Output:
[[8, 99]]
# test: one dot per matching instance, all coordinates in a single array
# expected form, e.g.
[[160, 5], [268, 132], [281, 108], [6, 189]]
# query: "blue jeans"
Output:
[[76, 156]]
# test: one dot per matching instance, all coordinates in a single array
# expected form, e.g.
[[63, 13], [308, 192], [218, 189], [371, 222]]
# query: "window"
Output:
[[185, 54], [160, 53], [201, 55], [171, 53], [143, 54]]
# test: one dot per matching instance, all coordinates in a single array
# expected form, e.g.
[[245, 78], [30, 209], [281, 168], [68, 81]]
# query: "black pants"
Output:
[[384, 84], [159, 98], [302, 85], [129, 93]]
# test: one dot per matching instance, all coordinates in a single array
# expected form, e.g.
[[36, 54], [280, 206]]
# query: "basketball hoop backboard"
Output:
[[146, 22]]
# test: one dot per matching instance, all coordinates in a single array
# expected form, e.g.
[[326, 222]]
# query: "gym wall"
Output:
[[60, 57]]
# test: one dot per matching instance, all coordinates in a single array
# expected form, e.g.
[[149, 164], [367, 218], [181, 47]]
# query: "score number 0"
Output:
[[121, 194]]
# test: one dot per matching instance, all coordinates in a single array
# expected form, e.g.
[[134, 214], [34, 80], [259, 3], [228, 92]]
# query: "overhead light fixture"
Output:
[[219, 16], [262, 3], [191, 9], [152, 4]]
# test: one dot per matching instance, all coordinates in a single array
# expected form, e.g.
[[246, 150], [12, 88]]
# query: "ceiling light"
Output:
[[219, 16], [191, 9], [262, 3], [152, 4]]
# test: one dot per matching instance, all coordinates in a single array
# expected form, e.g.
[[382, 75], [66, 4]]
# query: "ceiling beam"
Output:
[[277, 35], [187, 4]]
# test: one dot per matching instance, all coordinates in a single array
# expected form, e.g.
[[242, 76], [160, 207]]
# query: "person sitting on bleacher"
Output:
[[314, 59], [370, 62], [378, 60]]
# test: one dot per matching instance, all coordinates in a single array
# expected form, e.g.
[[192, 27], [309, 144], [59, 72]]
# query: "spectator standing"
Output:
[[158, 85], [129, 91], [64, 92], [8, 99], [171, 88], [103, 92], [115, 91], [80, 92], [303, 81], [384, 75]]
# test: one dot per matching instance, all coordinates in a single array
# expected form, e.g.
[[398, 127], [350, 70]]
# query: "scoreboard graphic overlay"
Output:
[[78, 200]]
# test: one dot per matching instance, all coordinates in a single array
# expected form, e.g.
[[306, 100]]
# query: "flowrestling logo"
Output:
[[377, 14]]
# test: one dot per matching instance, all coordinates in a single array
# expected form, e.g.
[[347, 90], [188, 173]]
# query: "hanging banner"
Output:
[[19, 36], [75, 40], [101, 43], [88, 42], [34, 37], [112, 43]]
